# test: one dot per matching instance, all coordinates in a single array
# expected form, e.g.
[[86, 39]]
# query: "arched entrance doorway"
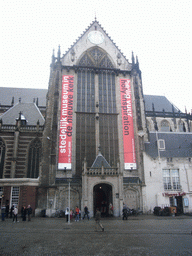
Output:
[[102, 197]]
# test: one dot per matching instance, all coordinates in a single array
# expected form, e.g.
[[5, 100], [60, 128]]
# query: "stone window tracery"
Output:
[[96, 58], [34, 158], [165, 126]]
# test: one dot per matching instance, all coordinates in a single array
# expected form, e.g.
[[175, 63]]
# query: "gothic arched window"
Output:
[[2, 157], [34, 159], [165, 127], [182, 126]]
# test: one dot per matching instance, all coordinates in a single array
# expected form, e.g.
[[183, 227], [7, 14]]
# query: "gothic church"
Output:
[[93, 138]]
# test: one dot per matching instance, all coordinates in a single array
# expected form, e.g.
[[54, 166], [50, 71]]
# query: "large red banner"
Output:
[[65, 134], [127, 123]]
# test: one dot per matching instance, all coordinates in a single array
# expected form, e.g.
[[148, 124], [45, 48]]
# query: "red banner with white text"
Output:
[[66, 116], [127, 124]]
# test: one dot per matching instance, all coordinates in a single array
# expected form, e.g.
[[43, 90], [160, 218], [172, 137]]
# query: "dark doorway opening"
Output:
[[179, 204], [102, 198]]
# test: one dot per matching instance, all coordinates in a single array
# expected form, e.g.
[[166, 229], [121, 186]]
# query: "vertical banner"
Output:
[[127, 123], [66, 116]]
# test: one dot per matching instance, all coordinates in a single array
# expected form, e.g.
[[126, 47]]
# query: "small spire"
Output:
[[58, 54], [137, 62], [99, 149], [53, 56], [153, 108], [20, 113], [133, 58], [12, 102]]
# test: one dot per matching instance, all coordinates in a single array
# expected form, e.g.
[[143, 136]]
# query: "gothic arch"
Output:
[[132, 198], [165, 126], [2, 156], [96, 57], [181, 126], [34, 158]]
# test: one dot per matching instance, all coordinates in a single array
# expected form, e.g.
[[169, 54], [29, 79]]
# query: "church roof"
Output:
[[28, 95], [100, 161], [160, 103], [25, 95], [176, 144], [29, 111]]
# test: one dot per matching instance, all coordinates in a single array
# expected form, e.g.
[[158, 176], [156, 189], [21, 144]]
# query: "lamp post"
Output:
[[69, 180]]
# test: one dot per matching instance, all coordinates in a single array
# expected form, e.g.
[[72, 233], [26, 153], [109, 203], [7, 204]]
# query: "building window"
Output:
[[1, 191], [161, 144], [15, 196], [34, 159], [165, 127], [171, 179], [2, 157]]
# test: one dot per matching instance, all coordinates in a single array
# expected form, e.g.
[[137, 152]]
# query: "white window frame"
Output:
[[171, 179], [14, 197], [161, 144]]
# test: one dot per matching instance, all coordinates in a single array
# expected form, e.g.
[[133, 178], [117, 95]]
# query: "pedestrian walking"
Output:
[[110, 210], [15, 213], [97, 220], [77, 213], [29, 212], [86, 213], [67, 213], [125, 212]]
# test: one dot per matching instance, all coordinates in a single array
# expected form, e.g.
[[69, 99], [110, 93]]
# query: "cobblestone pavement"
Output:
[[142, 235]]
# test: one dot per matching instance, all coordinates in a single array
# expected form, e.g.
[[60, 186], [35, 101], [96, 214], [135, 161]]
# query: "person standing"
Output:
[[11, 211], [77, 213], [110, 210], [7, 211], [3, 209], [86, 213], [15, 213], [97, 220], [29, 212], [125, 212], [24, 213], [67, 213]]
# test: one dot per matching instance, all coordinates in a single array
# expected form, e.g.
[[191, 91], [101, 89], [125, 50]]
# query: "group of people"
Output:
[[76, 214], [86, 214], [26, 211], [13, 212]]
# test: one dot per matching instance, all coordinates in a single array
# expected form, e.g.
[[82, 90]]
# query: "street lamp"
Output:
[[69, 180]]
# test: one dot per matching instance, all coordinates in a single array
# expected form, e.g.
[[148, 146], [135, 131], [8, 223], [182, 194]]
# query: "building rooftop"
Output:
[[176, 144]]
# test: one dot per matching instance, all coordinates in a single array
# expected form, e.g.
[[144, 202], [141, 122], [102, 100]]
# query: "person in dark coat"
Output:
[[24, 213], [7, 211], [11, 211], [86, 213], [3, 209]]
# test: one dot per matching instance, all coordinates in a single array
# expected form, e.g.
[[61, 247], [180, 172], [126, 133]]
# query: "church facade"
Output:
[[102, 141]]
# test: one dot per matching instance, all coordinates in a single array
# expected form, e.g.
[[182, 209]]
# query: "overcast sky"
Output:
[[158, 32]]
